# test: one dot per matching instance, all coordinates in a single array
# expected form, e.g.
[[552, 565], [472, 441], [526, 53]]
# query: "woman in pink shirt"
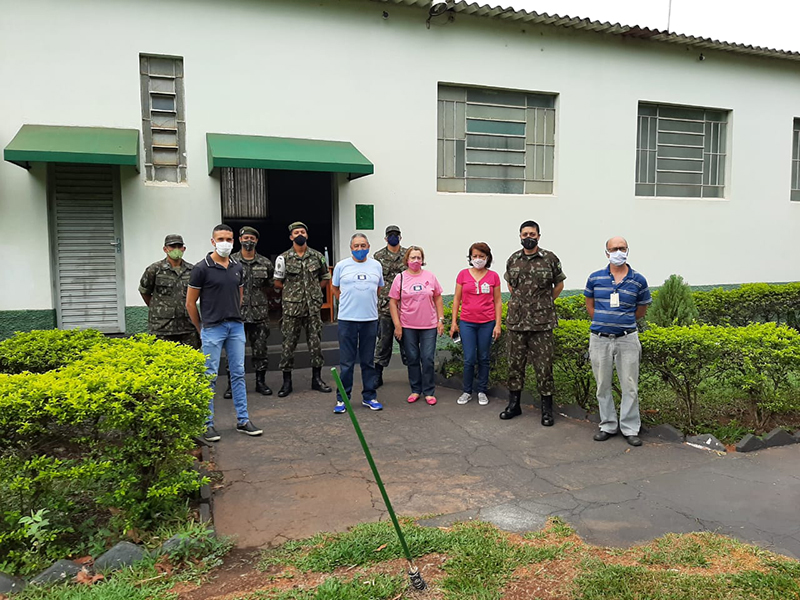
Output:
[[478, 296], [415, 301]]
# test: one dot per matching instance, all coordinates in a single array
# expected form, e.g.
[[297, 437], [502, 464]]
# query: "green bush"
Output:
[[673, 305], [750, 303], [572, 307], [101, 443], [571, 361], [42, 351]]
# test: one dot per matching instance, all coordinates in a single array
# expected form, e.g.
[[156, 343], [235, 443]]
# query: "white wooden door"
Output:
[[86, 247]]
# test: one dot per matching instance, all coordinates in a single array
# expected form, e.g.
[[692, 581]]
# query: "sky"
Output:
[[770, 23]]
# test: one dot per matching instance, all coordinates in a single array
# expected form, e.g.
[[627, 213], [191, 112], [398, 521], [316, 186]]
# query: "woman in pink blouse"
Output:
[[415, 301], [478, 297]]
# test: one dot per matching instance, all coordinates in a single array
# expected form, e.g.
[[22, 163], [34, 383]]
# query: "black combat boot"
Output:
[[261, 386], [229, 392], [286, 388], [547, 411], [513, 409], [317, 383], [378, 376]]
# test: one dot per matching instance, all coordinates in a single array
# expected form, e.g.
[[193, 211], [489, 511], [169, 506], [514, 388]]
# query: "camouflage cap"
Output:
[[247, 230], [172, 239], [296, 225], [392, 228]]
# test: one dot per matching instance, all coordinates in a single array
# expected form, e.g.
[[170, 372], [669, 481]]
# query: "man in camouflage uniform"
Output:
[[391, 259], [163, 289], [257, 274], [302, 274], [535, 280]]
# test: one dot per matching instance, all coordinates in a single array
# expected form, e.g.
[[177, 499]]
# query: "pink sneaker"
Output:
[[413, 398], [430, 400]]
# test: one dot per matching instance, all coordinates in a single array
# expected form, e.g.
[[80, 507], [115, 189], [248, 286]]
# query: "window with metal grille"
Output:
[[163, 118], [244, 193], [796, 161], [495, 141], [681, 151]]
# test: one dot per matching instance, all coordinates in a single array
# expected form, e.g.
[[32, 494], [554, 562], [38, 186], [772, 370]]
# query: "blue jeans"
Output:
[[420, 345], [476, 340], [357, 340], [228, 335]]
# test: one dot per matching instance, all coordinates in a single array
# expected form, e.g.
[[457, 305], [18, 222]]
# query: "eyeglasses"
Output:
[[618, 249]]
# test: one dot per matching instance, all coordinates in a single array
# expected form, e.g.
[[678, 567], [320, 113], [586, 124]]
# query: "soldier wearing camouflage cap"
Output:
[[302, 274], [535, 280], [163, 289], [257, 272], [391, 259]]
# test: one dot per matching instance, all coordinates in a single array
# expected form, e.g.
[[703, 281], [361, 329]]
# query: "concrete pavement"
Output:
[[307, 473]]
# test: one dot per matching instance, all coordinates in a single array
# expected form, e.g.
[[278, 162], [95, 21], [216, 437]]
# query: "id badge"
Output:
[[614, 300]]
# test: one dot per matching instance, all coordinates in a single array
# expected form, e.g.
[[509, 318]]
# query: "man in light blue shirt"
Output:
[[357, 281]]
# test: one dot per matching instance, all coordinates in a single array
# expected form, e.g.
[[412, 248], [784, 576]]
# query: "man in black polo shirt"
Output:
[[217, 282]]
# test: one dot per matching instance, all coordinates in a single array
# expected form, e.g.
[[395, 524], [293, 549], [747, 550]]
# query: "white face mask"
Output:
[[224, 248], [478, 263], [618, 258]]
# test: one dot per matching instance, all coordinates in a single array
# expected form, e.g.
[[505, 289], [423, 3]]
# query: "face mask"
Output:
[[300, 240], [249, 245], [393, 240], [618, 258], [479, 263], [224, 248], [360, 254], [415, 265], [175, 254], [529, 243]]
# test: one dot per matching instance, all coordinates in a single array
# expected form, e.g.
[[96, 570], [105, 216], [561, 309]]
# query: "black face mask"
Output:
[[249, 245], [529, 243], [300, 240], [393, 240]]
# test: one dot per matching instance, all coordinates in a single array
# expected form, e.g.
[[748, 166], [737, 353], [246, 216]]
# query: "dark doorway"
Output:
[[291, 196]]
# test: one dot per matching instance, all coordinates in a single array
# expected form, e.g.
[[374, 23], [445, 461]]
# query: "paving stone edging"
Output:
[[749, 443], [122, 555]]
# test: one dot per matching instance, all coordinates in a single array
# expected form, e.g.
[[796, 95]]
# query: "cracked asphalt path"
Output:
[[307, 473]]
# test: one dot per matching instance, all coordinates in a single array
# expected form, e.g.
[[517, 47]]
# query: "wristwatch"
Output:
[[441, 319]]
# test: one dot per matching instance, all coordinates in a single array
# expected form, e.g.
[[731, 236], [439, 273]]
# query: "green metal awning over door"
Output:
[[288, 154], [83, 145]]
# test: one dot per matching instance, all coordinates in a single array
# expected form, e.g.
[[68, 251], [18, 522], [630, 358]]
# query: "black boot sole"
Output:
[[227, 395], [547, 422], [506, 415], [324, 390], [283, 393], [264, 391]]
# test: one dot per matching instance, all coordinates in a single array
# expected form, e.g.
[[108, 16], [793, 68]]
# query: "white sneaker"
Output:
[[483, 399], [464, 398]]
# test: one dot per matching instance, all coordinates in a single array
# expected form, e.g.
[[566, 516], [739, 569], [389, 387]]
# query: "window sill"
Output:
[[166, 184], [693, 199], [495, 195]]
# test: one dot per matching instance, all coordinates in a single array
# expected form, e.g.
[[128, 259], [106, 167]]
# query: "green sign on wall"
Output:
[[365, 216]]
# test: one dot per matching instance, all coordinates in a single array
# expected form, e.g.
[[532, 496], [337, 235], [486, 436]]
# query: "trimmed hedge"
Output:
[[750, 303], [99, 443]]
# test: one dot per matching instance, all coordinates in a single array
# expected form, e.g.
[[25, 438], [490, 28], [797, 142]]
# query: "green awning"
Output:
[[86, 145], [288, 154]]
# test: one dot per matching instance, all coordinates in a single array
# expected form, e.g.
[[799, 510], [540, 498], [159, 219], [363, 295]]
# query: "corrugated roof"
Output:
[[633, 31]]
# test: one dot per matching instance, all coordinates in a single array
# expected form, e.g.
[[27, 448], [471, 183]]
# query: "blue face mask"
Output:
[[360, 254], [393, 240]]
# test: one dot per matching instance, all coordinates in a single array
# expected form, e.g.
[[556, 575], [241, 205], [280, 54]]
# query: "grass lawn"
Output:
[[477, 561]]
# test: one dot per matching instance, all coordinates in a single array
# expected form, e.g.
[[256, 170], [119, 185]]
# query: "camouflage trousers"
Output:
[[258, 336], [385, 344], [291, 327], [190, 339], [536, 346]]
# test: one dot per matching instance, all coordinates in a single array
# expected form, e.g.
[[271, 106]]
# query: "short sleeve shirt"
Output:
[[358, 283], [417, 307], [477, 297], [632, 292], [219, 290]]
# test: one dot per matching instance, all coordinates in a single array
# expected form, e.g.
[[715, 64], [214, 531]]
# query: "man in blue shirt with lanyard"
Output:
[[615, 298]]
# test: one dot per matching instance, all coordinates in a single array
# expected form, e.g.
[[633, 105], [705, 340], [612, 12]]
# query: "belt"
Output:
[[615, 335]]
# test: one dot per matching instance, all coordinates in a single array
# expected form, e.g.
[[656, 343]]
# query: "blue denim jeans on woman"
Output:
[[476, 341], [230, 336], [420, 345], [357, 341]]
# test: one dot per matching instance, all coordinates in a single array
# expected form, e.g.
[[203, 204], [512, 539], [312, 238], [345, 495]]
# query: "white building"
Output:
[[687, 147]]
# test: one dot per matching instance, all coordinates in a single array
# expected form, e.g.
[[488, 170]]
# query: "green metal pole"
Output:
[[371, 462]]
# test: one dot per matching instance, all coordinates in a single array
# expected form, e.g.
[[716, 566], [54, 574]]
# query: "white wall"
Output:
[[339, 70]]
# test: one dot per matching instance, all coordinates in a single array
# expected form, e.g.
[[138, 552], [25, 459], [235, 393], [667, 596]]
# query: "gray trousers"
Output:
[[624, 353]]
